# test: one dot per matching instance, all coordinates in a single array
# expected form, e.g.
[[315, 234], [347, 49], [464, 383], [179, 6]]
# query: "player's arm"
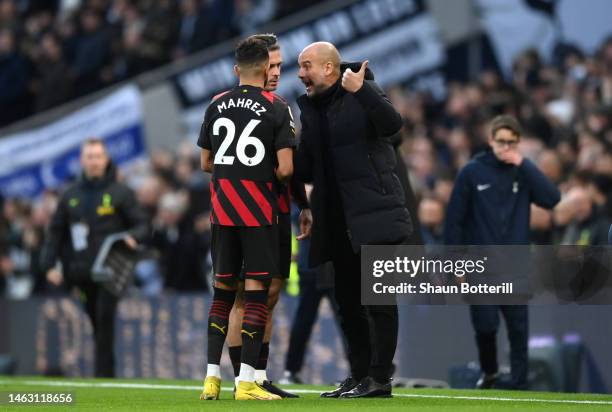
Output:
[[206, 161], [284, 142], [284, 171]]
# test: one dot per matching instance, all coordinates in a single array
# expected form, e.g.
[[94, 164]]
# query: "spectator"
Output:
[[14, 80], [218, 23], [161, 30], [8, 15], [180, 245], [585, 224], [431, 217], [92, 53], [149, 194], [192, 32], [104, 41], [550, 164], [443, 187], [133, 60], [54, 87]]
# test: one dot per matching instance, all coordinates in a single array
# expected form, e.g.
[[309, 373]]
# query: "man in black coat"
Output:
[[346, 152], [400, 169], [93, 208]]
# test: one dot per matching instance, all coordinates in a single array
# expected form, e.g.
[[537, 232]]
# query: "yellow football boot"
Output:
[[212, 388], [247, 391]]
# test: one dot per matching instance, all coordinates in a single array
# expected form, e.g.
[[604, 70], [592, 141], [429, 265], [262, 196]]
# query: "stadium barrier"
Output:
[[165, 338]]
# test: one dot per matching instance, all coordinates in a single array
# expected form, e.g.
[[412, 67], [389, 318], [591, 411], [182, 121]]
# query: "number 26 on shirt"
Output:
[[244, 140]]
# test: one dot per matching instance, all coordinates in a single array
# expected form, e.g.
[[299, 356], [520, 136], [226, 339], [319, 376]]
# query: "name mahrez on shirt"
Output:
[[254, 106]]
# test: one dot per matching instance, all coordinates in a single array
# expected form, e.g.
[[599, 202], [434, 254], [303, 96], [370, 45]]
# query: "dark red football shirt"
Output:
[[244, 128]]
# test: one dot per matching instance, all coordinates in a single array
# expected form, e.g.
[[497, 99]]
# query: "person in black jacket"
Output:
[[347, 154], [490, 205], [400, 169], [91, 209]]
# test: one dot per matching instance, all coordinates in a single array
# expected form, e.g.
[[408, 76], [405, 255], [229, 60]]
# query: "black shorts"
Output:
[[238, 248], [284, 248]]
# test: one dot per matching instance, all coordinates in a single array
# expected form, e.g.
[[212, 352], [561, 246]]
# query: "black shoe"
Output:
[[270, 387], [346, 385], [369, 388], [486, 381]]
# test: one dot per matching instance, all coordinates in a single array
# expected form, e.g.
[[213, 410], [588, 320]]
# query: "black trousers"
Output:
[[485, 320], [304, 319], [370, 331], [101, 306]]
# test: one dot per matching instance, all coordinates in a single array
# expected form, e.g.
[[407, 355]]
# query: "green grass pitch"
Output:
[[173, 395]]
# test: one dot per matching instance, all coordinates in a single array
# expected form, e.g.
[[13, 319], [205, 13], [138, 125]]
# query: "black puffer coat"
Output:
[[359, 128]]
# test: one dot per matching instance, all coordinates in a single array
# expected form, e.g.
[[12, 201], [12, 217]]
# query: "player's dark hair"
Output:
[[251, 53], [270, 39], [505, 121]]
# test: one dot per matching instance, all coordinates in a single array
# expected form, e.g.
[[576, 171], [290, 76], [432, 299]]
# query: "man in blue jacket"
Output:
[[490, 205]]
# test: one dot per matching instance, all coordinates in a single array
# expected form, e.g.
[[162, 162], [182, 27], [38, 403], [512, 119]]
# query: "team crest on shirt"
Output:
[[106, 208]]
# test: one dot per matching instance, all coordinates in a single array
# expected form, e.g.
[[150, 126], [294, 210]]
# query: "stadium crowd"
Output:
[[565, 108], [52, 51]]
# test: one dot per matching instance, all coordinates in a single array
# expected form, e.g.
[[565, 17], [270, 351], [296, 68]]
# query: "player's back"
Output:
[[244, 128]]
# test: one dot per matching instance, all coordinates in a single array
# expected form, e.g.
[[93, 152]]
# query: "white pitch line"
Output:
[[486, 398], [124, 385]]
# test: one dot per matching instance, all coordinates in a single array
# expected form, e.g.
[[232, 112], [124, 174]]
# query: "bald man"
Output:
[[346, 153]]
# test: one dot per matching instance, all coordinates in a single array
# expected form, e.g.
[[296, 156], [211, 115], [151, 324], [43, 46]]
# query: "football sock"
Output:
[[247, 373], [213, 370], [262, 363], [253, 325], [218, 319]]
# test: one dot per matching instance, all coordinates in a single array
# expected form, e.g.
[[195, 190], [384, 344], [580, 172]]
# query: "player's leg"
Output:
[[260, 262], [276, 286], [226, 251], [234, 339], [485, 320], [517, 324]]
